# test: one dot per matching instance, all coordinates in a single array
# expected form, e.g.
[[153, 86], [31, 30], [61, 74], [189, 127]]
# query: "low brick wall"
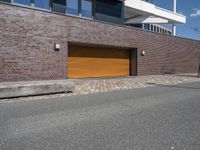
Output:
[[28, 37]]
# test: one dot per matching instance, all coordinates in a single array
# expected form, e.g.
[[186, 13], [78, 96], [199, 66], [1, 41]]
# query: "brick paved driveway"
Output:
[[90, 86]]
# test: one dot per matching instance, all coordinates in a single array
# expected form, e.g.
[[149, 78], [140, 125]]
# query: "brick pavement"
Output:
[[92, 86], [89, 86]]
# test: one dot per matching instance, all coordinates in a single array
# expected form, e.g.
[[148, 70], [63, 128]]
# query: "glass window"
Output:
[[24, 2], [72, 7], [42, 4], [154, 29], [59, 6], [86, 8], [157, 29], [111, 8], [8, 1], [151, 27], [146, 26]]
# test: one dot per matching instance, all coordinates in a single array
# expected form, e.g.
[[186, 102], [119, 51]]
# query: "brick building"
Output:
[[39, 44]]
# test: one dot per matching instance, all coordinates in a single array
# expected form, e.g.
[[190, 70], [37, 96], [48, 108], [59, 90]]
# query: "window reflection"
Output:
[[59, 6], [23, 2], [42, 4], [86, 8], [110, 8], [8, 1], [72, 7]]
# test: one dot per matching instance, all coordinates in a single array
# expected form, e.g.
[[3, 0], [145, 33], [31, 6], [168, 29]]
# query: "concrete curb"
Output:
[[30, 88]]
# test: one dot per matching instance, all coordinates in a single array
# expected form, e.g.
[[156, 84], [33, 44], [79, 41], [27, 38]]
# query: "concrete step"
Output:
[[32, 88]]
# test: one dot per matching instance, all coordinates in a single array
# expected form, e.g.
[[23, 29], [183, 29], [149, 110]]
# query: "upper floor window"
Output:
[[157, 29], [59, 6], [72, 7], [146, 27], [151, 27], [86, 8], [23, 2], [8, 1], [154, 28], [42, 4], [110, 8]]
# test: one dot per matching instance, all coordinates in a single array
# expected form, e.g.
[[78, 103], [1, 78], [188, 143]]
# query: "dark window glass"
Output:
[[8, 1], [42, 4], [151, 27], [110, 8], [154, 29], [158, 29], [72, 7], [146, 26], [136, 25], [24, 2], [59, 6], [86, 8]]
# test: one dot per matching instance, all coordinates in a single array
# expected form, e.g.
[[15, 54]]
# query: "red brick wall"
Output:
[[27, 40]]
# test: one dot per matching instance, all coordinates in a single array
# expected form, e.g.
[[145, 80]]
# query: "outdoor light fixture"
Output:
[[56, 47], [142, 53]]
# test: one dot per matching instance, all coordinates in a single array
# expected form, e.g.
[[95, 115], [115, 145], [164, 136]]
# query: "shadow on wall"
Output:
[[168, 70]]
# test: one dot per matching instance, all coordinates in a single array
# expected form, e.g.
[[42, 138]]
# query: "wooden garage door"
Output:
[[85, 62]]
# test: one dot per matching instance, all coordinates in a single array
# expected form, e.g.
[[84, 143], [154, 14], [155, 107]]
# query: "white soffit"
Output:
[[147, 9], [143, 19]]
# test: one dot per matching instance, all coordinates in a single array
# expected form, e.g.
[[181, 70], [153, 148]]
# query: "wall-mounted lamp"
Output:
[[56, 47], [143, 53]]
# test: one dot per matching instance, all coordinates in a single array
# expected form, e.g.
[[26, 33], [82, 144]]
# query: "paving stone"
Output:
[[92, 86]]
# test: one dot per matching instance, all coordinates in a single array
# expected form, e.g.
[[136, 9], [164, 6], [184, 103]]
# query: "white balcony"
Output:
[[140, 8]]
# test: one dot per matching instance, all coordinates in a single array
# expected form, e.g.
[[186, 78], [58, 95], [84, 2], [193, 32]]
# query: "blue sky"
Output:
[[189, 8]]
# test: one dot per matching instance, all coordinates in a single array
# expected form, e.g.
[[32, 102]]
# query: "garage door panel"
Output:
[[91, 52], [103, 64]]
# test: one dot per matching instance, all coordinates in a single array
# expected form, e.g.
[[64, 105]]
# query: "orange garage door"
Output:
[[85, 62]]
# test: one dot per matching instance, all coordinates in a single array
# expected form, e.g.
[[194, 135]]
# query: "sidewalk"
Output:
[[89, 86], [92, 86]]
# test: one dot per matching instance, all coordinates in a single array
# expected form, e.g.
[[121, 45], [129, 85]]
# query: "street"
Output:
[[162, 117]]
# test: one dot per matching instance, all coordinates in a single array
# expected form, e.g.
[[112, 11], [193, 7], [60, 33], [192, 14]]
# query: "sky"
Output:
[[189, 8]]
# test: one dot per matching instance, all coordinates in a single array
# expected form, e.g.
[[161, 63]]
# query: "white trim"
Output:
[[148, 9]]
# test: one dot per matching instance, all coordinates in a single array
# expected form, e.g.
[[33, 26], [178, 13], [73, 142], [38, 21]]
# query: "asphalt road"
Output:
[[156, 118]]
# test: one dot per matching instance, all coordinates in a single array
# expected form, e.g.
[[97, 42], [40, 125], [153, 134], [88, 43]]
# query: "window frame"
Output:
[[81, 8], [21, 4], [49, 5], [78, 8]]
